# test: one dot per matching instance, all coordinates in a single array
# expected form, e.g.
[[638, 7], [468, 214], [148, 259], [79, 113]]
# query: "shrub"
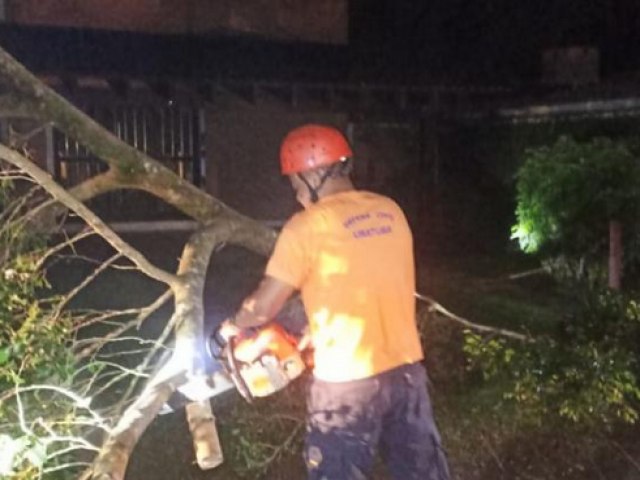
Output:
[[585, 372], [34, 349]]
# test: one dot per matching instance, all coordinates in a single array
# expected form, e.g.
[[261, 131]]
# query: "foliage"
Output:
[[32, 335], [568, 192], [34, 349], [586, 372], [258, 436], [33, 343]]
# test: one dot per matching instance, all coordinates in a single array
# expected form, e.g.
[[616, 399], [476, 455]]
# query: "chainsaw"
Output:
[[257, 363], [260, 361]]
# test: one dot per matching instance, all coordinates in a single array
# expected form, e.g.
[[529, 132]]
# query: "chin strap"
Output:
[[313, 192]]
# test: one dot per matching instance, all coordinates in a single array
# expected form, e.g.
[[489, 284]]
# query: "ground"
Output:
[[482, 443]]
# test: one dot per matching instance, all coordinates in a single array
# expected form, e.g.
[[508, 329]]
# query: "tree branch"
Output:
[[186, 360], [86, 281], [112, 461], [130, 168], [12, 106], [87, 215], [435, 306], [144, 313], [133, 168]]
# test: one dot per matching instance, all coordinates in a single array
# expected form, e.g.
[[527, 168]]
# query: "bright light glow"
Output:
[[10, 448], [38, 435], [200, 387], [79, 401], [330, 265]]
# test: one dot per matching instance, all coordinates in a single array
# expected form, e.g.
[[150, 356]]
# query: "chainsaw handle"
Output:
[[232, 362], [226, 355], [216, 337]]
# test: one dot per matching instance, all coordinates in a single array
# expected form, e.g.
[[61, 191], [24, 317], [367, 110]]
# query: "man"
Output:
[[350, 254]]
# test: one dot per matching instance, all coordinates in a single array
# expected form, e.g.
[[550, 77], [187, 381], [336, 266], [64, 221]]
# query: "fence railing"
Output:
[[168, 133]]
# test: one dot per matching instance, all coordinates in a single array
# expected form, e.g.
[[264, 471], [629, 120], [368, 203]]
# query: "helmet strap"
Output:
[[313, 192]]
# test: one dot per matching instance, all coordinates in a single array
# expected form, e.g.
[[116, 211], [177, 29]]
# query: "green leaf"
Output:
[[5, 354]]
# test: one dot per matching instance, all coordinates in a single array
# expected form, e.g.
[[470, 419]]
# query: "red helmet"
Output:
[[312, 146]]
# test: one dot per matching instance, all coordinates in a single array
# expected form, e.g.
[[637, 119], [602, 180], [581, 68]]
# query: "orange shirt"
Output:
[[351, 255]]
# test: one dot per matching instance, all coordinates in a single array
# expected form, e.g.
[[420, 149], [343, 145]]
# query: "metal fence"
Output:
[[169, 133]]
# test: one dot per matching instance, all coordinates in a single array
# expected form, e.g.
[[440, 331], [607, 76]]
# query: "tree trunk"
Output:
[[615, 255]]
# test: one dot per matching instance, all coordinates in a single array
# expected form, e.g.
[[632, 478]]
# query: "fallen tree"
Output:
[[131, 169]]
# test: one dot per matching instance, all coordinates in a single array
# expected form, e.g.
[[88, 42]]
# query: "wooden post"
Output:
[[615, 255]]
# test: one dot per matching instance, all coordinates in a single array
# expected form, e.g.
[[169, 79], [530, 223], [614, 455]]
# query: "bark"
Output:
[[615, 255], [189, 314], [12, 107]]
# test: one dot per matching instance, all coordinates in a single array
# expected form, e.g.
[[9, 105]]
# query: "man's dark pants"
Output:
[[349, 421]]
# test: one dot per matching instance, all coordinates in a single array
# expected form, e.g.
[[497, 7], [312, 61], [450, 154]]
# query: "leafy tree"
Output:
[[570, 194]]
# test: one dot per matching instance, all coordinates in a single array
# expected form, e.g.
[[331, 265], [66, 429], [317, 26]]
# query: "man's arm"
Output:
[[263, 304]]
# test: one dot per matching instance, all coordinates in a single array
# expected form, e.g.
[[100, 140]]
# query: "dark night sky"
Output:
[[491, 39]]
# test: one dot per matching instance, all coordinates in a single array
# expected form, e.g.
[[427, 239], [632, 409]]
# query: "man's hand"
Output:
[[228, 330]]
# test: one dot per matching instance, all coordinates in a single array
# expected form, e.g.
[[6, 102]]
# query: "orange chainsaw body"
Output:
[[267, 360]]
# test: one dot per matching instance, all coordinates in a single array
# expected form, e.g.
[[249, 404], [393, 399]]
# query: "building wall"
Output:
[[324, 21], [387, 155], [242, 152], [242, 149]]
